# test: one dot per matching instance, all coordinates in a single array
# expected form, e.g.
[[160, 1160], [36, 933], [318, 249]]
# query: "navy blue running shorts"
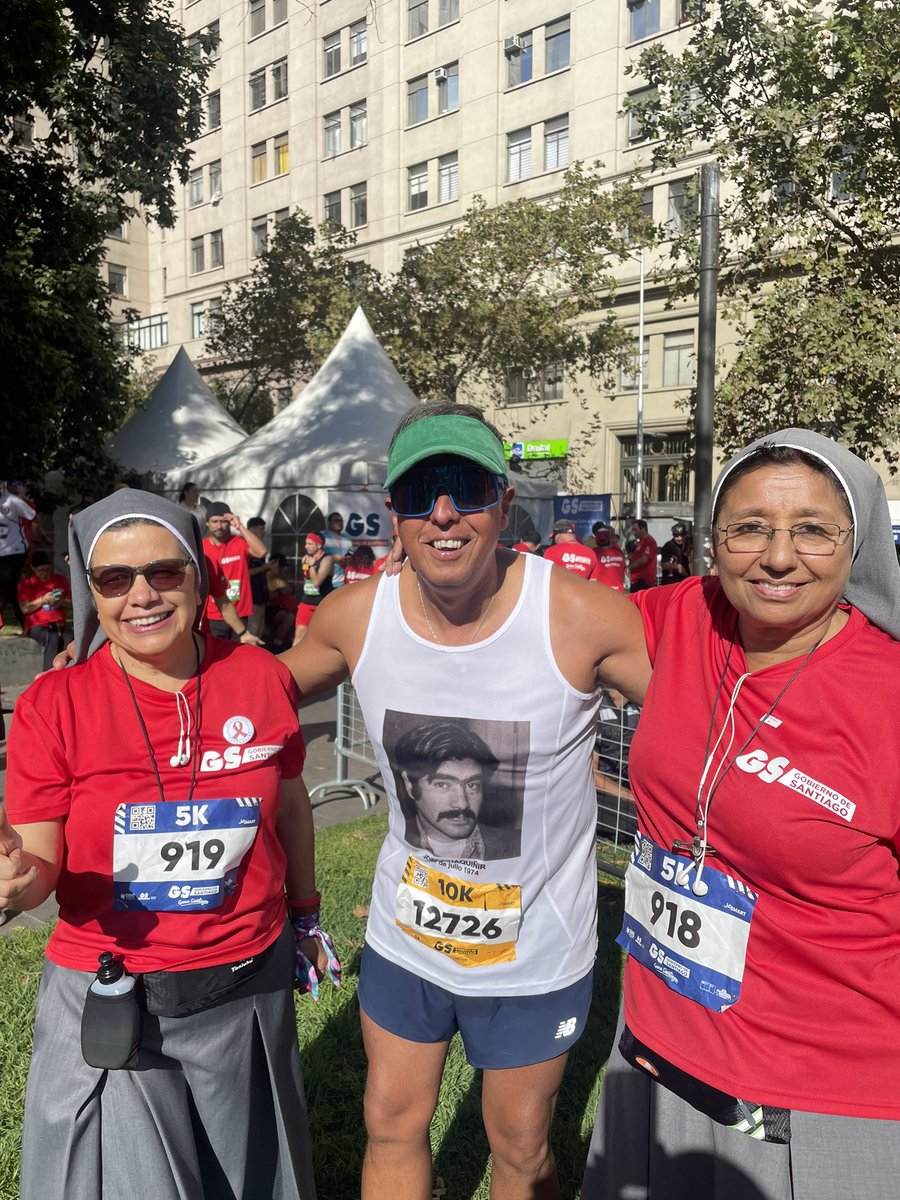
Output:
[[498, 1032]]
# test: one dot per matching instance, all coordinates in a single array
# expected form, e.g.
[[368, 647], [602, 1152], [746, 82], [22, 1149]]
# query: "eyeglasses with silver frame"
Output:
[[808, 537]]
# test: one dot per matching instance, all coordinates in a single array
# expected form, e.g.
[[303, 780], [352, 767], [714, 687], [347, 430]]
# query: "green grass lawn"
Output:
[[331, 1046]]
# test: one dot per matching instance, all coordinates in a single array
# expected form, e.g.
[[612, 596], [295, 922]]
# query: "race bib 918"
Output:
[[180, 857], [472, 923], [697, 945]]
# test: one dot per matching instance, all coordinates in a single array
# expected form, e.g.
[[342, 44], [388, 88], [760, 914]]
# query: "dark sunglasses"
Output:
[[469, 487], [163, 575]]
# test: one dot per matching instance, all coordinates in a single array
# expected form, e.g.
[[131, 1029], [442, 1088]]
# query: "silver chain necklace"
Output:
[[431, 627]]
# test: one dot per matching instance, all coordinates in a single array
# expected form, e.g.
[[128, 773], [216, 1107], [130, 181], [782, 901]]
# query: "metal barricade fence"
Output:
[[351, 744], [616, 814]]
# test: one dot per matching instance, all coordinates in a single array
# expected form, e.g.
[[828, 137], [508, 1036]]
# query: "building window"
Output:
[[556, 143], [213, 110], [359, 43], [281, 214], [279, 79], [682, 206], [195, 187], [198, 319], [332, 129], [257, 89], [418, 18], [678, 358], [556, 39], [216, 249], [644, 15], [257, 17], [198, 262], [417, 184], [117, 277], [417, 102], [448, 178], [519, 61], [448, 10], [214, 314], [666, 479], [517, 386], [282, 157], [215, 180], [552, 382], [518, 155], [279, 12], [212, 31], [259, 236], [333, 207], [630, 368], [258, 162], [332, 50], [148, 333], [448, 87], [119, 232], [359, 206], [358, 134], [637, 130]]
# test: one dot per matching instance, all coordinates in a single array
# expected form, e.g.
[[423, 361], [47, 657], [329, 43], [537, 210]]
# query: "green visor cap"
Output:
[[463, 437]]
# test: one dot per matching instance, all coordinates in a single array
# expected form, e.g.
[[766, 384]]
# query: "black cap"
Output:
[[563, 527]]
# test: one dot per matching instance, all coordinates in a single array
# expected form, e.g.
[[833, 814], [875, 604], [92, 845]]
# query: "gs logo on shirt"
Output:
[[233, 757]]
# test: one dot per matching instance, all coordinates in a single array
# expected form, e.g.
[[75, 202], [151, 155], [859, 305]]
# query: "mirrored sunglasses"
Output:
[[469, 487], [163, 575]]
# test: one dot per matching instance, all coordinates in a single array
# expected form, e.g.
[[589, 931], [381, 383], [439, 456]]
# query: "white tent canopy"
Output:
[[334, 434], [181, 423]]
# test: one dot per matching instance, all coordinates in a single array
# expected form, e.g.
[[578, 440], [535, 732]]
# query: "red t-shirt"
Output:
[[815, 1027], [611, 566], [355, 574], [229, 561], [31, 588], [574, 557], [646, 573], [76, 752]]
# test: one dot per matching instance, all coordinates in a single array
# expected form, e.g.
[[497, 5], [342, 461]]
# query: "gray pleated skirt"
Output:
[[214, 1111], [648, 1144]]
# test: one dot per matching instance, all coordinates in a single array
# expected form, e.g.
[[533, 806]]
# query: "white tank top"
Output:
[[487, 881]]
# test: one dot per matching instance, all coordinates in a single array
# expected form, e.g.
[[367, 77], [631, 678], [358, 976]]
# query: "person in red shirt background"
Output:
[[45, 601], [568, 552], [610, 557], [227, 556], [359, 565], [642, 565]]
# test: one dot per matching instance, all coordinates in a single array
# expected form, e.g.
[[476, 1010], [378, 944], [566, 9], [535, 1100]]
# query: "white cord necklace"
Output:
[[431, 627]]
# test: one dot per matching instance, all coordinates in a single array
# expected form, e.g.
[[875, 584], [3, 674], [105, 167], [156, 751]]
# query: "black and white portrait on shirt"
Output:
[[460, 783]]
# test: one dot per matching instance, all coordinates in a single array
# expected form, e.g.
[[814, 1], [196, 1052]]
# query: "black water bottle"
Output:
[[111, 1020]]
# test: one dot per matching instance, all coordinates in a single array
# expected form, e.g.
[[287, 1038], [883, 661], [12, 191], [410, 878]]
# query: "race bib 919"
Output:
[[472, 923], [180, 857]]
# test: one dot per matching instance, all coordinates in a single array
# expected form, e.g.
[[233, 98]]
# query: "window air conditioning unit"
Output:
[[512, 45], [440, 74]]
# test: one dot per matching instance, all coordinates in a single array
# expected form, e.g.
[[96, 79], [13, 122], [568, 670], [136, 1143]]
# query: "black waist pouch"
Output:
[[111, 1031], [182, 993], [763, 1122]]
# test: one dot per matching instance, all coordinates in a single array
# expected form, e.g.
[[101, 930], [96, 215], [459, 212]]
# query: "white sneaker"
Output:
[[4, 916]]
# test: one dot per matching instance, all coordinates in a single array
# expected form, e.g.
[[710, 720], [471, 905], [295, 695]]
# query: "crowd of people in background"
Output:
[[264, 599]]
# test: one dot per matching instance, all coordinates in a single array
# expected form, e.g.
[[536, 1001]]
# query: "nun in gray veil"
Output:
[[156, 787], [758, 1048]]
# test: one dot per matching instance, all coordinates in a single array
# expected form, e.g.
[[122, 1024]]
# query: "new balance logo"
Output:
[[566, 1028]]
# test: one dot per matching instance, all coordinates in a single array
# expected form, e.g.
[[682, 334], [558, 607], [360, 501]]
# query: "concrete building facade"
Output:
[[391, 116]]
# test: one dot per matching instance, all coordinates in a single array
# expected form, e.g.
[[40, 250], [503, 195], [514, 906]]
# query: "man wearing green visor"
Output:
[[473, 653]]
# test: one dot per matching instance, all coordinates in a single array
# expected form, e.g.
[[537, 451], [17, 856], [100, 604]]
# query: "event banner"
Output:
[[366, 520], [582, 511]]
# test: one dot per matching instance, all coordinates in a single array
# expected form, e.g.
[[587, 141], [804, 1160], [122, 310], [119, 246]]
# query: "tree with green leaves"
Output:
[[514, 288], [279, 324], [800, 103], [97, 104]]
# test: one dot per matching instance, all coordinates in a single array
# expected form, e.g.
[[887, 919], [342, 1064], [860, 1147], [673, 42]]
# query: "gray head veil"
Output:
[[874, 583], [86, 527]]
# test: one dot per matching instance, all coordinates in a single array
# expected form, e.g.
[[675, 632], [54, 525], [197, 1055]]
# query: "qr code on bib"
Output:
[[420, 877], [142, 816], [645, 858]]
